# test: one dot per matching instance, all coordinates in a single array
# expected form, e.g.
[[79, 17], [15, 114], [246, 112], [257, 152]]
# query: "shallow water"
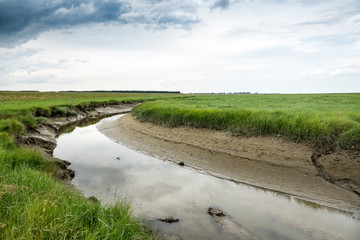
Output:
[[111, 171]]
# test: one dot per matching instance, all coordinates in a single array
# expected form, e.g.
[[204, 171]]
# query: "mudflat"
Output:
[[298, 170]]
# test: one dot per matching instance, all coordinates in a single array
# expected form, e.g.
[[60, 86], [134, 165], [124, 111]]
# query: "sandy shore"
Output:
[[331, 180]]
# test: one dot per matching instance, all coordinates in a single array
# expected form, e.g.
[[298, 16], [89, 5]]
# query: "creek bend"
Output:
[[156, 188]]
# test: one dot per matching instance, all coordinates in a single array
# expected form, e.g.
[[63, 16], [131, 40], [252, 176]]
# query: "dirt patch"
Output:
[[267, 162]]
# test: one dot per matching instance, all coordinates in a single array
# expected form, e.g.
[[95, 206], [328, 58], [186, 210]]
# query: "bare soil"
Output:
[[332, 180]]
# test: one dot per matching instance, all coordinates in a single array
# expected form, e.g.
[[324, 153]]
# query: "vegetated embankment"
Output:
[[313, 155], [33, 204]]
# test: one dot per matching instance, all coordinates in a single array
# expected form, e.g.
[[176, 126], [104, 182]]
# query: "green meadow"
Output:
[[321, 120], [33, 205]]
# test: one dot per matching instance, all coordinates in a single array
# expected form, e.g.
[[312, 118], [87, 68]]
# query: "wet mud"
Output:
[[331, 178]]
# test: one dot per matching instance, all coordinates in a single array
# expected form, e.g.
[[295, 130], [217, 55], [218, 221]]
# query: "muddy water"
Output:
[[155, 188]]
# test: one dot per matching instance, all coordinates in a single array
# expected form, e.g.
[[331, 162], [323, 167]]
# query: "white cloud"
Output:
[[346, 70], [354, 20], [307, 74], [254, 46]]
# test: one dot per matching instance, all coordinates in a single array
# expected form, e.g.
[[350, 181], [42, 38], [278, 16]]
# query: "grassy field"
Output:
[[33, 205], [24, 110], [321, 120], [24, 101]]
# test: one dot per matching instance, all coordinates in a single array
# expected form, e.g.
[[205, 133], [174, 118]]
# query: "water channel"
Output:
[[155, 188]]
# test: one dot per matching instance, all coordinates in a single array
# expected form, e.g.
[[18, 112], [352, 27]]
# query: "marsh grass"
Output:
[[22, 111], [325, 121], [33, 205]]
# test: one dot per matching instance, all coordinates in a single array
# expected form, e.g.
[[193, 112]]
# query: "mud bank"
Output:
[[330, 179], [43, 137]]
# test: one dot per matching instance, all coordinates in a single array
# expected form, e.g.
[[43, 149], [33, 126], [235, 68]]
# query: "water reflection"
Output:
[[156, 188]]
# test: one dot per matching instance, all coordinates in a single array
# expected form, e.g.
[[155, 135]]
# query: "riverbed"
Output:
[[156, 188]]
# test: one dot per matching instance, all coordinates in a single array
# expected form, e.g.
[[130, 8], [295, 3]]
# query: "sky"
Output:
[[264, 46]]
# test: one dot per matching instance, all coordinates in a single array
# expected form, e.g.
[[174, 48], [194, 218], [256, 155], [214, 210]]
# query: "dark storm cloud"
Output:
[[21, 20], [222, 4]]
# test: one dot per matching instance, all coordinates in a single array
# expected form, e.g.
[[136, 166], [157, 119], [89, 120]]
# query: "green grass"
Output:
[[21, 111], [25, 101], [321, 120], [33, 205]]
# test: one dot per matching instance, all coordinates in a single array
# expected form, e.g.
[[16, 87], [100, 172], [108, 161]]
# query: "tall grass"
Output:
[[326, 121], [35, 206]]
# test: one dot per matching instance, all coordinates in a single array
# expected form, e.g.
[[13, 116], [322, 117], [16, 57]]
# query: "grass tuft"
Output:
[[7, 142], [12, 126]]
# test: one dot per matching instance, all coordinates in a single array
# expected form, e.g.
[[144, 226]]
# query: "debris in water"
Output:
[[168, 219], [215, 212]]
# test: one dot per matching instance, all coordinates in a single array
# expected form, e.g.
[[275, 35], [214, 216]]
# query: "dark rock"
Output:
[[66, 174], [62, 164], [93, 199], [71, 173], [181, 163], [215, 212], [168, 219]]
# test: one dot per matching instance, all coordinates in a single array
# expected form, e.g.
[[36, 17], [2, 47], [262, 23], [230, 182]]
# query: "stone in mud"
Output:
[[62, 164], [181, 163], [168, 219], [93, 199], [234, 229], [215, 212], [66, 174]]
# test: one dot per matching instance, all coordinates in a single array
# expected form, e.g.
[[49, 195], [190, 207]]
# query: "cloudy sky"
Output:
[[284, 46]]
